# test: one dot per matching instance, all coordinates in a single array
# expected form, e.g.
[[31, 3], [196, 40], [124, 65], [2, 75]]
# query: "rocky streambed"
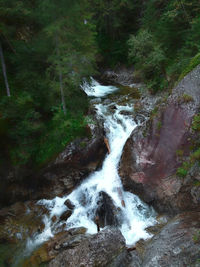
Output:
[[58, 229]]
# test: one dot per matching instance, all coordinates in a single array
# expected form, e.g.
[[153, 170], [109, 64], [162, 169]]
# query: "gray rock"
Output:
[[65, 215], [175, 245], [99, 250], [69, 204], [106, 212]]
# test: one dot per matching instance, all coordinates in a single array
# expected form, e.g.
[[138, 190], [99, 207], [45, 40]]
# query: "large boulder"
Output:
[[176, 245], [151, 155], [98, 250], [106, 213]]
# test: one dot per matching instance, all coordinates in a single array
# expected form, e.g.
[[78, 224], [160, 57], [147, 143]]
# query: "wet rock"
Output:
[[123, 112], [20, 221], [77, 231], [149, 160], [107, 213], [154, 229], [53, 247], [98, 250], [69, 204], [54, 219], [135, 259], [177, 244], [66, 215], [120, 75]]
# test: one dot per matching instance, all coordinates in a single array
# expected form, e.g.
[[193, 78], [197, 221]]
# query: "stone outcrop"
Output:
[[75, 248], [106, 213], [98, 250], [176, 245], [150, 159]]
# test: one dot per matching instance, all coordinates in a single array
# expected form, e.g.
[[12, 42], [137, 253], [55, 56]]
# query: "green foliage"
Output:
[[193, 157], [181, 172], [171, 36], [154, 113], [196, 123], [31, 120], [159, 125], [196, 237], [195, 61], [60, 131], [114, 21], [148, 55]]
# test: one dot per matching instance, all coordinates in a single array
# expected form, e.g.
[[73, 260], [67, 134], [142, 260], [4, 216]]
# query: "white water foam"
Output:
[[135, 216], [93, 88]]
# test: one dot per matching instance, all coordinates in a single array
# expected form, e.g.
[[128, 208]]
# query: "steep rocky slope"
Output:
[[152, 153]]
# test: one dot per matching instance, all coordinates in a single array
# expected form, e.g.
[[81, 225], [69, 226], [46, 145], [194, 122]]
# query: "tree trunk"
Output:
[[60, 77], [4, 71]]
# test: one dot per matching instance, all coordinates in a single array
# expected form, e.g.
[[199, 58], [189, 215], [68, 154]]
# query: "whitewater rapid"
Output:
[[135, 215]]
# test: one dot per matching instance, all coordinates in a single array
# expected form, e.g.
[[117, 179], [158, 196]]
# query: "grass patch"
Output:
[[195, 61]]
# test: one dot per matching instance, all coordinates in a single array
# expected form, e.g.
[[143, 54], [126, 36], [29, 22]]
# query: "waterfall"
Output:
[[132, 215]]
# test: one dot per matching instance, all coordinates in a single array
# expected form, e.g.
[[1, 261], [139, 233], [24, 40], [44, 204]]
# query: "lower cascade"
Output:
[[100, 200]]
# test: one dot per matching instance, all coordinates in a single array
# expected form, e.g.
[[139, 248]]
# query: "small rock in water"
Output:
[[69, 204], [77, 231], [54, 218], [65, 215]]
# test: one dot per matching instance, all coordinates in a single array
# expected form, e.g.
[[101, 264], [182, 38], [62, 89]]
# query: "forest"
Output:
[[49, 47]]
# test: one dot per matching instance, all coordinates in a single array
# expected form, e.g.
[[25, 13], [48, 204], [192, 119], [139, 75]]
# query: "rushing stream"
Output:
[[133, 216]]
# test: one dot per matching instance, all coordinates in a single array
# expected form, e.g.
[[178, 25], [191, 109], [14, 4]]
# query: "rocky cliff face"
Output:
[[76, 162], [150, 158]]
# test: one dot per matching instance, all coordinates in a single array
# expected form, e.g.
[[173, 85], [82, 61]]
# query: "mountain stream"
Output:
[[132, 215]]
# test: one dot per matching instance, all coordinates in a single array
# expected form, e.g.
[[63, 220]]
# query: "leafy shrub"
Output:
[[181, 172], [149, 57], [196, 123]]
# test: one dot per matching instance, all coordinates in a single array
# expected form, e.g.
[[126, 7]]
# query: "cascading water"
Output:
[[133, 216]]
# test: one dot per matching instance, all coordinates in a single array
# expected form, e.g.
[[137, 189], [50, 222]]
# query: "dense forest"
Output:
[[48, 47]]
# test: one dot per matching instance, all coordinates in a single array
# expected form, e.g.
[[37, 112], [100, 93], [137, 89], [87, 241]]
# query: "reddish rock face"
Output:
[[156, 154], [150, 160]]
